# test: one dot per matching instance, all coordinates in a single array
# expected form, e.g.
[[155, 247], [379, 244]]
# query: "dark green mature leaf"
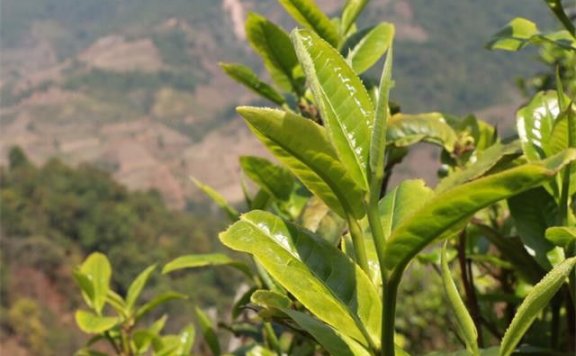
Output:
[[492, 351], [371, 47], [275, 180], [197, 261], [309, 15], [401, 202], [345, 105], [97, 270], [248, 78], [208, 331], [537, 299], [323, 279], [405, 130], [351, 11], [217, 198], [533, 212], [485, 161], [303, 147], [137, 285], [273, 44], [335, 343], [466, 327], [91, 323], [450, 208]]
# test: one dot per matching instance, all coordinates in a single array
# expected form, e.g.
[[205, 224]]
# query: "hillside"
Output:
[[133, 86]]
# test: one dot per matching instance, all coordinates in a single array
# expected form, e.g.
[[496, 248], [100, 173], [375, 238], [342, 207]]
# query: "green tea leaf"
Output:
[[371, 47], [561, 236], [318, 274], [303, 147], [345, 105], [466, 326], [205, 260], [137, 285], [450, 208], [537, 299], [275, 180], [335, 343], [308, 14], [273, 44], [352, 9], [217, 198], [91, 323], [208, 331], [405, 130], [157, 301], [97, 269], [514, 36], [248, 78]]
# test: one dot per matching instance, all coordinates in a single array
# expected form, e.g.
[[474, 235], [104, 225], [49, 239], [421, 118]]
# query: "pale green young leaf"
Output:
[[118, 304], [217, 198], [274, 47], [352, 9], [205, 260], [137, 285], [561, 236], [371, 47], [91, 323], [318, 274], [405, 130], [345, 105], [466, 326], [317, 217], [208, 331], [303, 147], [249, 79], [274, 179], [308, 14], [86, 286], [448, 209], [538, 298], [335, 343], [97, 270]]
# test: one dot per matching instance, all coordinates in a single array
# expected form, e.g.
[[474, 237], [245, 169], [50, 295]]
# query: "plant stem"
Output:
[[358, 242], [389, 296]]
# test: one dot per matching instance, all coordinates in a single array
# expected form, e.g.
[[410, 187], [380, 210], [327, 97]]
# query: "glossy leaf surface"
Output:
[[345, 105], [308, 14], [514, 36], [537, 299], [303, 147], [273, 44], [447, 209], [248, 78], [371, 47], [275, 180], [351, 11], [323, 279]]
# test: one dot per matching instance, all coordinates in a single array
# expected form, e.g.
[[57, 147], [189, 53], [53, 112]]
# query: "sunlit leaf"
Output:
[[217, 198], [275, 180], [137, 285], [345, 105], [561, 236], [405, 130], [372, 45], [323, 279], [205, 260], [157, 301], [351, 11], [308, 14], [91, 323], [208, 331], [303, 147], [97, 270]]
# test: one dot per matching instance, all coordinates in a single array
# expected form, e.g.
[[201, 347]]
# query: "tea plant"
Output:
[[331, 242]]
